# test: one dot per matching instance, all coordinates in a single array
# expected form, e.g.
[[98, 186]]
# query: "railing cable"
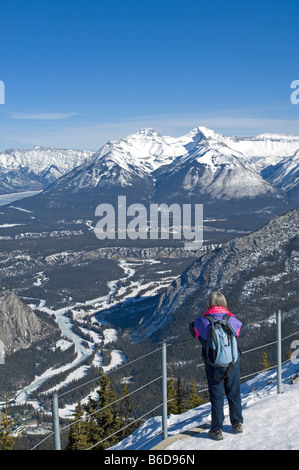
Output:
[[152, 381]]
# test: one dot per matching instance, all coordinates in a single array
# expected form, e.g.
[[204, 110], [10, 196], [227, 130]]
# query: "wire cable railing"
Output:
[[168, 345]]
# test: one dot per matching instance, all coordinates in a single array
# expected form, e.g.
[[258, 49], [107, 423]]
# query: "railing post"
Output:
[[278, 338], [55, 421], [164, 391]]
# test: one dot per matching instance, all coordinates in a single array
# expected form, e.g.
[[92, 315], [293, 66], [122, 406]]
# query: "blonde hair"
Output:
[[217, 299]]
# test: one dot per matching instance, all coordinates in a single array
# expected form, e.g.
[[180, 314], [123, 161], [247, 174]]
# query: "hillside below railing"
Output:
[[57, 429]]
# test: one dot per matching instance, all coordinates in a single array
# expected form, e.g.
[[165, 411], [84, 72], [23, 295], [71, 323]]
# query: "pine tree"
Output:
[[78, 438], [194, 399], [91, 425], [264, 362], [180, 397], [6, 440], [125, 411], [172, 407], [104, 419]]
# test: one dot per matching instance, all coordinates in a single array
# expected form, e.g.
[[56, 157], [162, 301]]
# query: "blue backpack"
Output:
[[221, 347]]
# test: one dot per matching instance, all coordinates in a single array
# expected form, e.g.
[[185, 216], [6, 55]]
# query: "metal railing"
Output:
[[56, 433]]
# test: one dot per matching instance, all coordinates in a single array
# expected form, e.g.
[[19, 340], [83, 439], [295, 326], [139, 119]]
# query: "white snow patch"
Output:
[[270, 420]]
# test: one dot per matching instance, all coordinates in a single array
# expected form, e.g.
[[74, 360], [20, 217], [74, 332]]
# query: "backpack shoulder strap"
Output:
[[226, 317], [213, 319], [228, 326], [210, 318]]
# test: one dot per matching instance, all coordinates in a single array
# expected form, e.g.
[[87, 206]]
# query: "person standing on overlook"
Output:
[[226, 377]]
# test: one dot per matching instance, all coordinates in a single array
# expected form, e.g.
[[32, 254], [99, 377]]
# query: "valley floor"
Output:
[[84, 349]]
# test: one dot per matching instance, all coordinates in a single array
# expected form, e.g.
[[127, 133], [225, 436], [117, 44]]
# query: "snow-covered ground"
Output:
[[271, 420]]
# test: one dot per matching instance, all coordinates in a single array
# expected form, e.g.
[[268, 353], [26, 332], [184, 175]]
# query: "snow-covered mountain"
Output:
[[132, 158], [202, 162], [229, 175], [215, 174], [36, 168], [226, 168], [263, 150], [285, 174]]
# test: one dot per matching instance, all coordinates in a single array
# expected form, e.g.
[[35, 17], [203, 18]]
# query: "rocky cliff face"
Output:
[[258, 273], [19, 325]]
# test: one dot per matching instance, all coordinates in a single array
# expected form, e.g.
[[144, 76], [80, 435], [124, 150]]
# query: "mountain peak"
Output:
[[206, 133], [146, 132]]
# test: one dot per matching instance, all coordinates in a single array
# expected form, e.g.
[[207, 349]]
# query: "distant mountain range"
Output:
[[242, 182], [36, 168], [202, 164]]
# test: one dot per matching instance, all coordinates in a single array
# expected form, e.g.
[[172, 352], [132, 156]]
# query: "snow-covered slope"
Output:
[[37, 167], [201, 163], [132, 159], [270, 420], [285, 174], [264, 149], [202, 166], [148, 150], [224, 162], [216, 172]]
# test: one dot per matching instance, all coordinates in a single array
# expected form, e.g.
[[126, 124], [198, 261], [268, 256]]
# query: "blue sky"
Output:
[[80, 73]]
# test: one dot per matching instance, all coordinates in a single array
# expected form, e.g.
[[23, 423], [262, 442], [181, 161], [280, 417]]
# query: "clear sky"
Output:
[[78, 73]]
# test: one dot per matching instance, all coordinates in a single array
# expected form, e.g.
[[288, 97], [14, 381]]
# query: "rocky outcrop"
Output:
[[19, 325]]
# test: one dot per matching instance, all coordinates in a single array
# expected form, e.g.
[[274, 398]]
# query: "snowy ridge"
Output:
[[134, 157], [203, 163], [148, 150], [39, 159], [286, 173], [23, 169], [270, 423]]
